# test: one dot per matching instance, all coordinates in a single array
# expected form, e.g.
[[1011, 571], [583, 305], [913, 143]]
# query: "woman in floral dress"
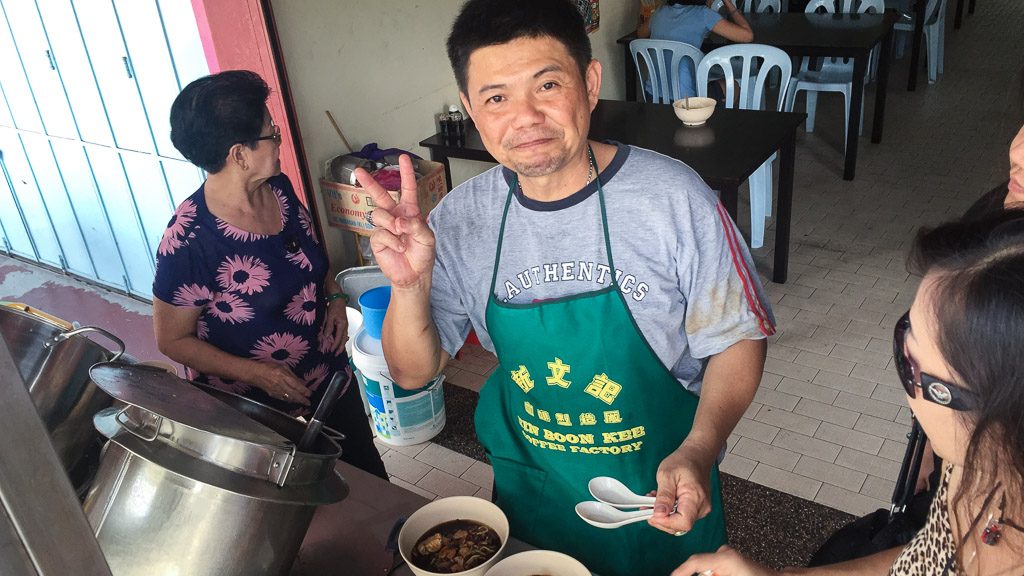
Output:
[[243, 295]]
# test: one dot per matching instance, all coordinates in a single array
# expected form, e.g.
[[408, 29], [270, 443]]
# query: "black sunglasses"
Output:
[[932, 389]]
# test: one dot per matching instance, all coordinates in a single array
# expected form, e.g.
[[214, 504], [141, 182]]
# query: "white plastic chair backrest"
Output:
[[847, 6], [664, 83], [768, 6], [866, 7], [760, 6], [840, 6], [751, 96]]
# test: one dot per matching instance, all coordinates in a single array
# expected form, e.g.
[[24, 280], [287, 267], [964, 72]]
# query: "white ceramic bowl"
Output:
[[539, 562], [694, 111], [446, 510]]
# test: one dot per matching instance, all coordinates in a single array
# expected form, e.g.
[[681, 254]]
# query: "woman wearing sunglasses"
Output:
[[958, 352]]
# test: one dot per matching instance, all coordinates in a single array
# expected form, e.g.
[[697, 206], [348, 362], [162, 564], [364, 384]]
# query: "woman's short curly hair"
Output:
[[214, 113]]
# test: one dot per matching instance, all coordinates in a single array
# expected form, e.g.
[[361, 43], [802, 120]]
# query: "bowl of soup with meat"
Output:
[[539, 563], [460, 535]]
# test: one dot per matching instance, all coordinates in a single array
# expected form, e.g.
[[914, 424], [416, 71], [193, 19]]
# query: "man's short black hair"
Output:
[[483, 23], [214, 113]]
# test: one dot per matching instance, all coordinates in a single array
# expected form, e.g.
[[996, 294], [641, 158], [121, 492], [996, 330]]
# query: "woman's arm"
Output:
[[734, 26], [728, 562], [336, 319], [175, 329], [644, 30]]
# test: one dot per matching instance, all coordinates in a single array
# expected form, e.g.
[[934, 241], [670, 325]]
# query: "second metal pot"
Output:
[[54, 360]]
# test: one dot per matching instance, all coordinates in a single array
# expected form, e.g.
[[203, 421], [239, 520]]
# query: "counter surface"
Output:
[[349, 537]]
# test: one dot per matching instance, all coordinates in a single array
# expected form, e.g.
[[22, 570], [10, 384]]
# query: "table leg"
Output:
[[729, 197], [630, 74], [882, 86], [915, 49], [784, 208], [970, 9], [860, 63], [959, 19], [441, 157]]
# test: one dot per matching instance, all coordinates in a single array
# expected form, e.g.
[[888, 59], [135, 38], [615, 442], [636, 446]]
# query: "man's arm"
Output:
[[730, 381], [403, 245], [411, 343]]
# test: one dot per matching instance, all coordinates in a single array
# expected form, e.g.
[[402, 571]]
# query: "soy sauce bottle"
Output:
[[456, 125]]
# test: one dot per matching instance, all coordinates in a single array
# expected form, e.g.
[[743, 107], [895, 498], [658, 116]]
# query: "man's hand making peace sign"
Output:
[[401, 241]]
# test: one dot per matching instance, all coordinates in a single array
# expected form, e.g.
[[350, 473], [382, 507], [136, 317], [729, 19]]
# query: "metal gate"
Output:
[[89, 175]]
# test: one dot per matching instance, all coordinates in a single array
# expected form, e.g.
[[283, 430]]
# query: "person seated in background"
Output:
[[957, 355], [690, 22]]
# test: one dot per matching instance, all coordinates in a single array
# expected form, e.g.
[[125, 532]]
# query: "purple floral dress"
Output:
[[261, 295]]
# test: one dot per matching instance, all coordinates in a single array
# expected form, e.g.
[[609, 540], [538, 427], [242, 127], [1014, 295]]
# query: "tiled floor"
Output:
[[829, 421]]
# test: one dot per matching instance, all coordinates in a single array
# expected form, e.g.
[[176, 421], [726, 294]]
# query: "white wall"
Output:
[[380, 67]]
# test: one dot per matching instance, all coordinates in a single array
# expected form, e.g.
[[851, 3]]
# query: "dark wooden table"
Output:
[[724, 152], [819, 35], [349, 537]]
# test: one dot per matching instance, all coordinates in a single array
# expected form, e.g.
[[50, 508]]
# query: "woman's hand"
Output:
[[278, 381], [335, 327], [402, 242], [684, 477], [724, 562]]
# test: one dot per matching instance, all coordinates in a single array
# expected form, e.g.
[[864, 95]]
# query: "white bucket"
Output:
[[355, 324], [400, 417]]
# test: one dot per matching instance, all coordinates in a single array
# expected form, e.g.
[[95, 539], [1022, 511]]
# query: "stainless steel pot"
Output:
[[201, 482], [54, 362]]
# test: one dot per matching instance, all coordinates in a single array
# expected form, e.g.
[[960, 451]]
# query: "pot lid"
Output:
[[190, 423], [172, 398]]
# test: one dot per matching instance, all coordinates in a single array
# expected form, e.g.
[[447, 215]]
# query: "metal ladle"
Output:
[[316, 423]]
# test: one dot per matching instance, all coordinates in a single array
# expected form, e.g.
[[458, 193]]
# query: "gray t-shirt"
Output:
[[682, 267]]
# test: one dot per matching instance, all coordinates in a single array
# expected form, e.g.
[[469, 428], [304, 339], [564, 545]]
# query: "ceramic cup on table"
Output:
[[544, 562], [444, 510]]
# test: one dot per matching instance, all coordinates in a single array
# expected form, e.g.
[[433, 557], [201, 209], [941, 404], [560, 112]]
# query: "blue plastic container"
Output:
[[374, 304]]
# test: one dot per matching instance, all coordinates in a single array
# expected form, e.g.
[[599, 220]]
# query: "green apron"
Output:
[[579, 393]]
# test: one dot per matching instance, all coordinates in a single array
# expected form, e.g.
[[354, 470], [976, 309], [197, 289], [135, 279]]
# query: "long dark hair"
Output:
[[979, 311]]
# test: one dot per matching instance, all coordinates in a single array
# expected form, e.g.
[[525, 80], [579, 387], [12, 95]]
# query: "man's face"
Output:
[[530, 104]]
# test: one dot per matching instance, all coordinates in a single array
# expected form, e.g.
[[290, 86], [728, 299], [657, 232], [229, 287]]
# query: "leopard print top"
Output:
[[933, 549]]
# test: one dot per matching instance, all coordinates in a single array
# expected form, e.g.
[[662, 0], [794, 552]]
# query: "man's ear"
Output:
[[465, 104], [593, 79]]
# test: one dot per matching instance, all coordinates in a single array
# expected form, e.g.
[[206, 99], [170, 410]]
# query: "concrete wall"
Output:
[[380, 67]]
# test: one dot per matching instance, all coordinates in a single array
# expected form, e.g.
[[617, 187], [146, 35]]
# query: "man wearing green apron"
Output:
[[621, 302]]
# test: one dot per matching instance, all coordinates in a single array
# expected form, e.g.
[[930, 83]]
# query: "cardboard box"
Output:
[[347, 205]]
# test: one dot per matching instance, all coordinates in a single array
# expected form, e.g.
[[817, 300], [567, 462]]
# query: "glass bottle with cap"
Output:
[[456, 124]]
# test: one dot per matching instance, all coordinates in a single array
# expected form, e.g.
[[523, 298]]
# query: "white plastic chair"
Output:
[[836, 74], [661, 80], [934, 36], [760, 6], [751, 97]]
